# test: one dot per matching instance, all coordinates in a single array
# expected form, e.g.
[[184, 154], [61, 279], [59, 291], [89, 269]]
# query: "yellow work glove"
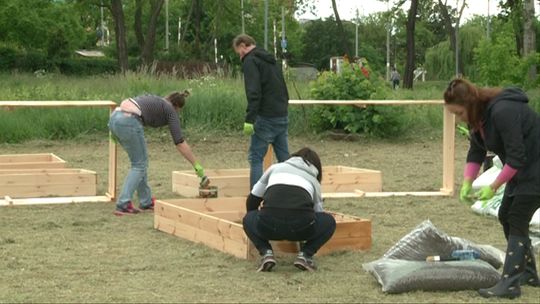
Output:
[[248, 129], [465, 192]]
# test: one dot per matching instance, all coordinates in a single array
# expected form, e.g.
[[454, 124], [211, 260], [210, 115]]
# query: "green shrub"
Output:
[[499, 64], [352, 84]]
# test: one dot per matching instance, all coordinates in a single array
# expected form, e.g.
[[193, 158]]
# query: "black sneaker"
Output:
[[267, 262], [304, 262], [129, 209]]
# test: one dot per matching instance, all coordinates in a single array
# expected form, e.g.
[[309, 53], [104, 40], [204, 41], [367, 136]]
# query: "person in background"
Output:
[[500, 120], [268, 99], [292, 210], [126, 124], [394, 77]]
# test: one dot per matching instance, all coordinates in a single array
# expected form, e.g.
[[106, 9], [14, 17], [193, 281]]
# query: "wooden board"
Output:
[[31, 161], [217, 223], [235, 182], [24, 183]]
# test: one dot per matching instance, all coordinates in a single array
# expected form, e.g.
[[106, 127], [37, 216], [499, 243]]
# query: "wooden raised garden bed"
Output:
[[217, 223], [31, 161]]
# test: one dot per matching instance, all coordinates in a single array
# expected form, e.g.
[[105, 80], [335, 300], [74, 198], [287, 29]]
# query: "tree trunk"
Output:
[[516, 17], [451, 30], [147, 54], [409, 66], [343, 37], [138, 24], [117, 12], [529, 34]]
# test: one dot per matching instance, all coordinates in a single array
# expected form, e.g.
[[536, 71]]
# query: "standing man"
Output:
[[394, 77], [266, 115]]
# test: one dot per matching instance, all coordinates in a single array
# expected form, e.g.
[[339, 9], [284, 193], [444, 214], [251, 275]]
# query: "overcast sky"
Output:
[[347, 8]]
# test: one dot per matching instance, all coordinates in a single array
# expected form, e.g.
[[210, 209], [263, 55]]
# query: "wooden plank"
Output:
[[25, 158], [201, 236], [57, 103], [210, 204], [233, 216], [52, 200], [74, 177], [449, 138], [29, 191], [355, 229], [198, 220], [366, 102]]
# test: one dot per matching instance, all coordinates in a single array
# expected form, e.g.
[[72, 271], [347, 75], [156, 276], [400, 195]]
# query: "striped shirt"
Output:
[[158, 112]]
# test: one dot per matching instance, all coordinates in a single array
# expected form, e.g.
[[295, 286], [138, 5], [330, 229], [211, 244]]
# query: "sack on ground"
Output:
[[397, 276], [426, 240]]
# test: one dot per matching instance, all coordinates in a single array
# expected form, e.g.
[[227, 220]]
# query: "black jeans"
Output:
[[316, 230], [515, 213]]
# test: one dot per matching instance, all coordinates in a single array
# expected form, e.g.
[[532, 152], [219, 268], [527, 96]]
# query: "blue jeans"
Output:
[[268, 130], [129, 132]]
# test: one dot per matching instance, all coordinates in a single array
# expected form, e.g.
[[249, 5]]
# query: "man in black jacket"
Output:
[[268, 99]]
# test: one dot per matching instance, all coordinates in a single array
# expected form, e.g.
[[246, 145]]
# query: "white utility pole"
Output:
[[388, 31], [275, 38], [179, 30]]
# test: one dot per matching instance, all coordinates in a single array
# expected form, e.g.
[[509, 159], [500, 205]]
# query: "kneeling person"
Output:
[[292, 210]]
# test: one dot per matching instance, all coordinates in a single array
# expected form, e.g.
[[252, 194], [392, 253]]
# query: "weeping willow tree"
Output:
[[440, 59]]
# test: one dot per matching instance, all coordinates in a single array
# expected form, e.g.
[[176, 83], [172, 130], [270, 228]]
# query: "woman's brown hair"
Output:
[[474, 99], [177, 99], [310, 157]]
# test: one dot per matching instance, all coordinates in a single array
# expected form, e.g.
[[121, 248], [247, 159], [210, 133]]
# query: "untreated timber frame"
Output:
[[110, 195], [449, 138]]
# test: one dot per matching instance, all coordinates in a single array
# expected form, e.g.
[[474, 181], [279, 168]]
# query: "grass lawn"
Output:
[[82, 253]]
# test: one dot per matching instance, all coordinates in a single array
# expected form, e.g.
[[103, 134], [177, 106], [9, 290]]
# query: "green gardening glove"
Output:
[[465, 192], [248, 129], [484, 194], [198, 169]]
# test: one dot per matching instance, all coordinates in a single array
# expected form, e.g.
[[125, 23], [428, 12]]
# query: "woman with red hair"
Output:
[[501, 121]]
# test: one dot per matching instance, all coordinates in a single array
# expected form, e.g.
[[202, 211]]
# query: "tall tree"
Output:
[[147, 44], [341, 31], [529, 34], [450, 17], [120, 34], [408, 76], [512, 10]]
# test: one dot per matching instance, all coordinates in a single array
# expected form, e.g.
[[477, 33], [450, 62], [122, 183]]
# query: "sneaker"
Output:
[[304, 262], [267, 262], [149, 207], [129, 209]]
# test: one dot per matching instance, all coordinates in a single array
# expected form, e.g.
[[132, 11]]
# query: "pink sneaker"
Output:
[[149, 207], [129, 209]]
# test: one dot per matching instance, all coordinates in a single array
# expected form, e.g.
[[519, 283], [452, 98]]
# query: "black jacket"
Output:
[[266, 90], [512, 131]]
